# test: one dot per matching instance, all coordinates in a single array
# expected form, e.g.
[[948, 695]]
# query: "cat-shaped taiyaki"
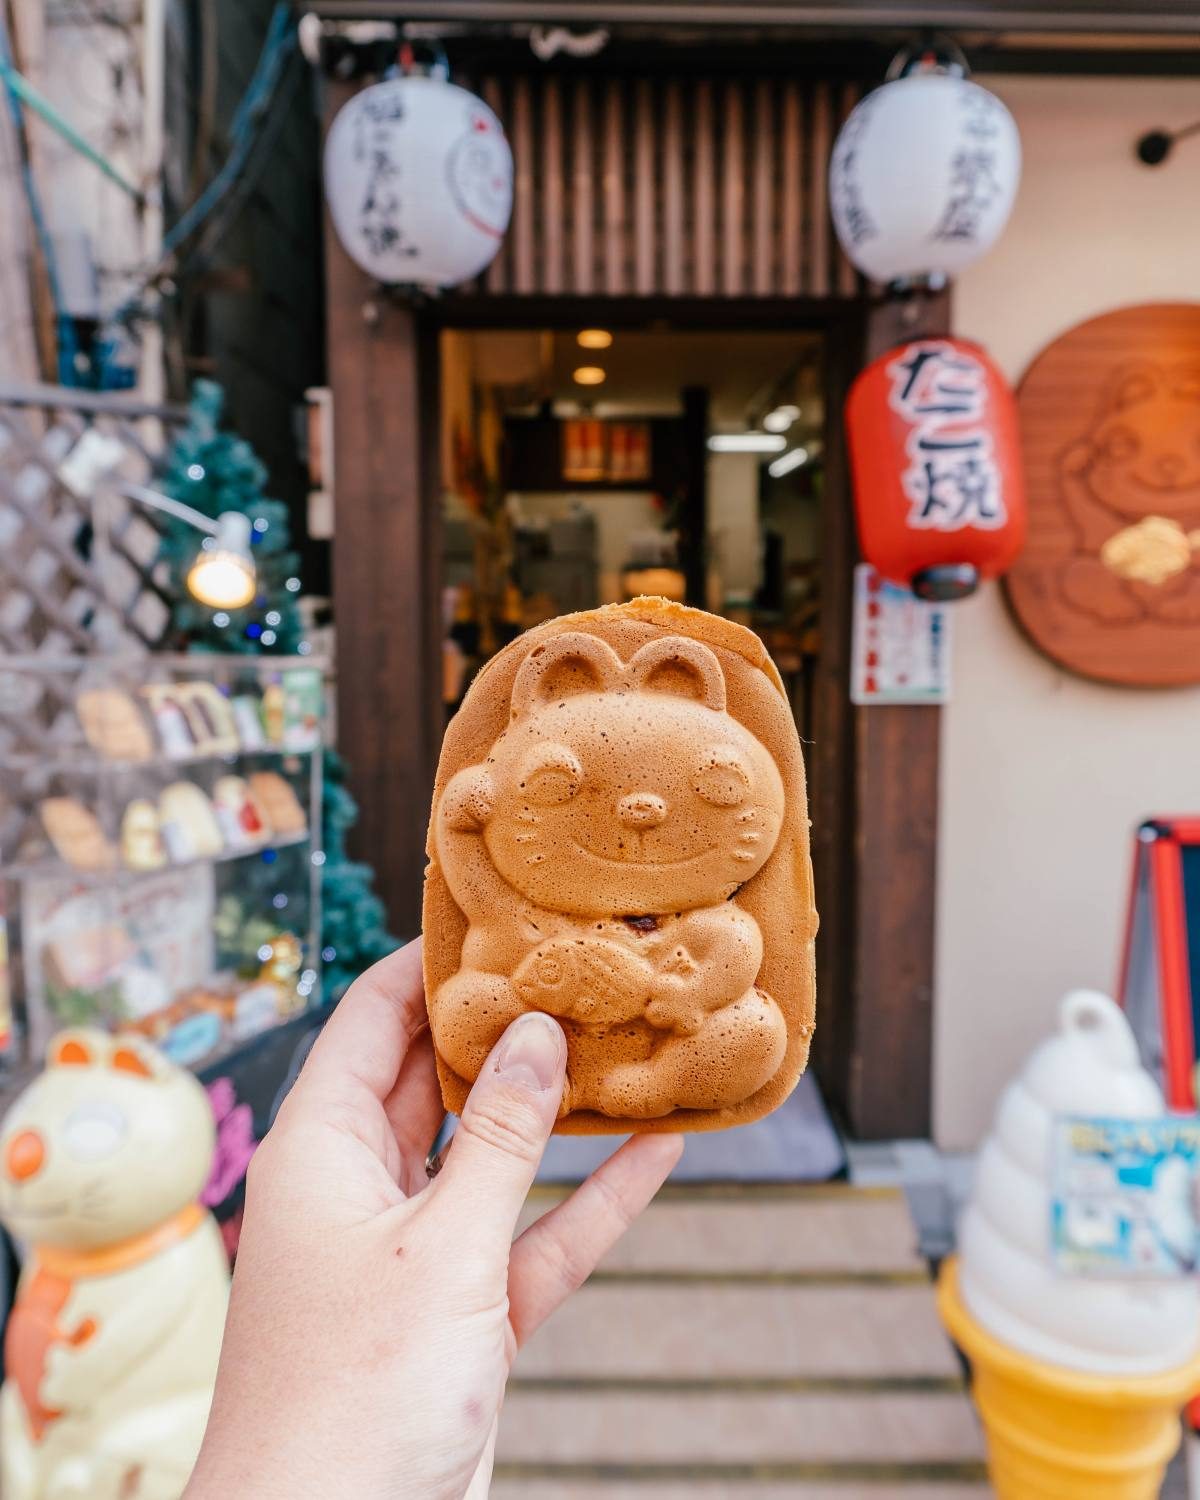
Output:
[[619, 838], [111, 1348]]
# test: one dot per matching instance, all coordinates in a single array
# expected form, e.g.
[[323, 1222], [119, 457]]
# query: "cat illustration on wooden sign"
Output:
[[1131, 484], [1109, 582]]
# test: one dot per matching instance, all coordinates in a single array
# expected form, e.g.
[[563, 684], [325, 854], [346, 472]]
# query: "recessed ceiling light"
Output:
[[594, 338], [781, 418], [589, 375], [746, 442], [787, 462]]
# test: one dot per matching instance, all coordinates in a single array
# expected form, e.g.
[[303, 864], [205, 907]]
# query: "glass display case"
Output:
[[160, 846]]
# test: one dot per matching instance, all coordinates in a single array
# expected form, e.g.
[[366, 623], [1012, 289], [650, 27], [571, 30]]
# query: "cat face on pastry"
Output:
[[627, 788]]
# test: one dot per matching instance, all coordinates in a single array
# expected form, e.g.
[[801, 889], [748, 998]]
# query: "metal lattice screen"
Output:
[[78, 569]]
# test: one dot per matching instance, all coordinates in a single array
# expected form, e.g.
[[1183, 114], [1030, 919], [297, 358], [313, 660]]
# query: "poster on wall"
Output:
[[117, 952], [900, 651], [1109, 583]]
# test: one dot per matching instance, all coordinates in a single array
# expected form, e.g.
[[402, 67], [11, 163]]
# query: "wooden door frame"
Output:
[[874, 772]]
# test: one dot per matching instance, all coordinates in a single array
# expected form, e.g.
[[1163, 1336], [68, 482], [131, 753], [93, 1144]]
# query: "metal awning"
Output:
[[1177, 19]]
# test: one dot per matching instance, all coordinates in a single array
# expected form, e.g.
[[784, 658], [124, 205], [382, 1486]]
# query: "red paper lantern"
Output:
[[935, 451]]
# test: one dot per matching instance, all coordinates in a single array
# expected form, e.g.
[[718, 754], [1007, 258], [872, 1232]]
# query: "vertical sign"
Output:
[[901, 645]]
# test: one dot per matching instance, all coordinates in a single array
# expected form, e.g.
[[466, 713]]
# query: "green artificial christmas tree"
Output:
[[213, 472], [354, 924]]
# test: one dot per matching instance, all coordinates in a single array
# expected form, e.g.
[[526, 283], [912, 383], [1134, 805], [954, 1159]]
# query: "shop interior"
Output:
[[586, 467]]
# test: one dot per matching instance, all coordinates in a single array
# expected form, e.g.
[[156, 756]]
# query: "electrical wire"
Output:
[[67, 349]]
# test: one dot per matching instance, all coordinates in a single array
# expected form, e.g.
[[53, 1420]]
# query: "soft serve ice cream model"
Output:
[[1079, 1380], [111, 1348]]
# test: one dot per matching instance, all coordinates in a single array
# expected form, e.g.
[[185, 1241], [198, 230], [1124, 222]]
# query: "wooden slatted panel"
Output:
[[672, 187], [583, 191], [733, 193], [645, 190], [497, 277], [688, 187], [791, 191], [614, 189], [552, 194], [704, 192], [526, 276]]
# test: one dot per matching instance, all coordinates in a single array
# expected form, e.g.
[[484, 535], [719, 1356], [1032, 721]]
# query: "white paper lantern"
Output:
[[418, 178], [923, 177]]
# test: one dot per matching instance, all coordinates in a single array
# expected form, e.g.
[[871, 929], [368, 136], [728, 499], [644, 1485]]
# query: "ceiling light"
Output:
[[594, 338], [589, 375], [746, 442], [781, 418], [788, 462]]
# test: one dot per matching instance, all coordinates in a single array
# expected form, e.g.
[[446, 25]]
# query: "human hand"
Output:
[[375, 1316]]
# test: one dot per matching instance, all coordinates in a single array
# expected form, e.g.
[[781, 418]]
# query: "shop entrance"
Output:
[[584, 467], [696, 456]]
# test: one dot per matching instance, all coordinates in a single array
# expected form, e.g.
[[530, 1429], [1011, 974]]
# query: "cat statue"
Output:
[[111, 1349]]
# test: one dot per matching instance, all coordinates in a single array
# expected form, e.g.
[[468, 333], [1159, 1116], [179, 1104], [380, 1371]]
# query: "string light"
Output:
[[279, 900], [195, 472]]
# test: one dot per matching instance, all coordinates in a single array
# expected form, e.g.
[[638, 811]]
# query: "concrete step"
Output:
[[743, 1329], [839, 1230], [898, 1487], [859, 1434]]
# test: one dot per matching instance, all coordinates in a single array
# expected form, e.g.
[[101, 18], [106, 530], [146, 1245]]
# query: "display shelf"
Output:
[[101, 942], [75, 762], [55, 869]]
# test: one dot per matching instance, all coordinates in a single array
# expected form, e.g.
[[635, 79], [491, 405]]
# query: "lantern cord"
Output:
[[244, 132], [64, 326]]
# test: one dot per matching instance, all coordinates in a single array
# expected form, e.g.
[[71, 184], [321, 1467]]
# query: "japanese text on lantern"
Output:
[[952, 478]]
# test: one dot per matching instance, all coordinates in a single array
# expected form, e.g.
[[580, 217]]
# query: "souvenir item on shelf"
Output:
[[620, 824], [301, 709], [283, 960], [279, 803], [113, 724], [274, 712], [76, 834], [188, 824], [111, 1347], [141, 836], [259, 1007], [209, 717], [247, 715], [238, 813], [170, 722]]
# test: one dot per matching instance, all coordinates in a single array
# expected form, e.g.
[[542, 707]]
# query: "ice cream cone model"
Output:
[[1057, 1434], [1079, 1380], [111, 1348]]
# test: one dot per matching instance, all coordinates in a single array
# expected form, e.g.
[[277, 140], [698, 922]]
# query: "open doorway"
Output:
[[583, 467]]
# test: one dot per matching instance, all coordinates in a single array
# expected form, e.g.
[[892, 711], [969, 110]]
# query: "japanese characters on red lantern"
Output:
[[935, 452]]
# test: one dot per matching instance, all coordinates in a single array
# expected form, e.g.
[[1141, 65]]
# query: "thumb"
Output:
[[505, 1125]]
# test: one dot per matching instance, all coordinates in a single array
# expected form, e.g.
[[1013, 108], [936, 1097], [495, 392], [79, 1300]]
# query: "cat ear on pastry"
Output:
[[676, 664], [566, 664], [468, 800]]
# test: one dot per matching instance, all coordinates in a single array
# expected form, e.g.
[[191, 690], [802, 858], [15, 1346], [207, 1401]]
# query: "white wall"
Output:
[[1045, 775]]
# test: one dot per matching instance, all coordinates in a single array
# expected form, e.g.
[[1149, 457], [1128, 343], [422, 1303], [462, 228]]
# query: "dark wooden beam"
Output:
[[386, 569], [888, 1089]]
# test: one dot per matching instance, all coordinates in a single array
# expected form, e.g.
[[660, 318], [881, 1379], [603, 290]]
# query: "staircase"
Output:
[[746, 1342]]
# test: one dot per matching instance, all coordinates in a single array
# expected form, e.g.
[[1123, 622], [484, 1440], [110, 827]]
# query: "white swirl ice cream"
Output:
[[1007, 1275]]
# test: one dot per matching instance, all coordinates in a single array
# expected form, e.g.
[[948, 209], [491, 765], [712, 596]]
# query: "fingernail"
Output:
[[531, 1051]]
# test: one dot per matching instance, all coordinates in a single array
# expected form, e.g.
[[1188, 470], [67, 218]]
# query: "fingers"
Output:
[[555, 1256], [365, 1040], [505, 1125], [414, 1111]]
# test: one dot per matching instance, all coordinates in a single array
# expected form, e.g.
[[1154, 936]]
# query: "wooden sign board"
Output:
[[1109, 582]]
